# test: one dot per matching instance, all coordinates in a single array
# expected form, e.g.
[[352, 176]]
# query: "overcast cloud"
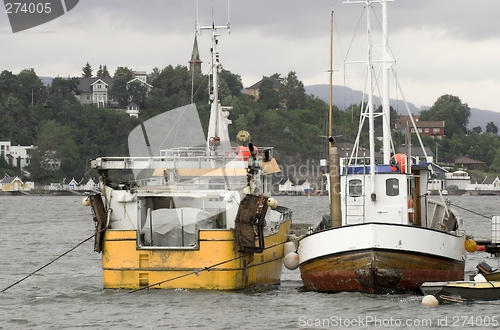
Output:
[[441, 46]]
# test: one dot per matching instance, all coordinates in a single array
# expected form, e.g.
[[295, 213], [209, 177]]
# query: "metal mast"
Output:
[[218, 136]]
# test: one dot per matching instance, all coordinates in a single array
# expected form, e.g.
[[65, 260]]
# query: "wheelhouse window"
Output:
[[355, 188], [392, 187]]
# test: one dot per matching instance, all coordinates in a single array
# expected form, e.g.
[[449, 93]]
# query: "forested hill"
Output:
[[294, 122], [345, 95]]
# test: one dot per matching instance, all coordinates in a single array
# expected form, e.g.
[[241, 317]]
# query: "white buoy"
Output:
[[430, 300], [289, 248], [272, 203], [86, 201], [291, 260]]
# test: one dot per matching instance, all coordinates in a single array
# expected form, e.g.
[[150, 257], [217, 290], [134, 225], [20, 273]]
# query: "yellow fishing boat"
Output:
[[197, 214]]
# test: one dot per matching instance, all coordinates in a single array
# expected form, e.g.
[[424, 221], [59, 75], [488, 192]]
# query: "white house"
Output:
[[71, 184], [302, 186], [133, 110], [141, 78], [491, 181], [489, 184], [91, 184], [285, 185], [17, 156], [95, 91]]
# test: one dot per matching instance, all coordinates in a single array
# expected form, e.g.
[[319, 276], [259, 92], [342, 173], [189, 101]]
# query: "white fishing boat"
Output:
[[197, 213], [383, 234]]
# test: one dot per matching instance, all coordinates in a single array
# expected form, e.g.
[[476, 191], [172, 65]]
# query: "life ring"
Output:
[[411, 210], [398, 162]]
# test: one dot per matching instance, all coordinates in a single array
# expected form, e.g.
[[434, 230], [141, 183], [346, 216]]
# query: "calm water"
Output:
[[68, 293]]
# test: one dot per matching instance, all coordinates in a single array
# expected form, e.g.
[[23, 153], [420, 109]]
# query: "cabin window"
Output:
[[174, 227], [392, 187], [355, 188]]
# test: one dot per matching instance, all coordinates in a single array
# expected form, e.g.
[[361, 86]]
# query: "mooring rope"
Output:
[[190, 273], [52, 261], [208, 268], [463, 208], [142, 288]]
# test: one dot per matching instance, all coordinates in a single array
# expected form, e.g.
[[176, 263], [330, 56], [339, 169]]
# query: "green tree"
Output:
[[495, 165], [477, 130], [491, 128], [233, 82], [293, 91], [56, 155], [31, 89], [268, 96], [172, 88], [87, 71], [9, 84], [103, 72], [63, 87], [450, 109], [394, 117], [154, 74], [137, 93], [119, 91]]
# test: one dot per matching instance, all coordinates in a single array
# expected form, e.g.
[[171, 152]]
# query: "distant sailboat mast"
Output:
[[333, 153], [330, 131]]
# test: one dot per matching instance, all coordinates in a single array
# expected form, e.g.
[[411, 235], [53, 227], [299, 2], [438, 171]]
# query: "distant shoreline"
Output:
[[43, 192]]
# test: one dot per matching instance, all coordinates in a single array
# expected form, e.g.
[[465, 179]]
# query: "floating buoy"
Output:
[[481, 248], [86, 201], [470, 245], [289, 248], [430, 300], [272, 203], [291, 260]]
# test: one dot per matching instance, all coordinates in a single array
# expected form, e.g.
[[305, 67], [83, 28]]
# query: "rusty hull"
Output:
[[378, 271]]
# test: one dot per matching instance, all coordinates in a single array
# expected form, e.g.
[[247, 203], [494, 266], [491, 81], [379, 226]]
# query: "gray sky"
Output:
[[441, 46]]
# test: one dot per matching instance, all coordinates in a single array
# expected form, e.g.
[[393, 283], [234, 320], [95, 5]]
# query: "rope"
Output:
[[190, 273], [143, 288], [47, 264], [198, 271], [482, 215]]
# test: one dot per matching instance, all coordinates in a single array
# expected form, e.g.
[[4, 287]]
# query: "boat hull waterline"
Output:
[[374, 263]]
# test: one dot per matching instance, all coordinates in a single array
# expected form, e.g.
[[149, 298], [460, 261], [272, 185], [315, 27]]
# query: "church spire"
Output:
[[195, 62]]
